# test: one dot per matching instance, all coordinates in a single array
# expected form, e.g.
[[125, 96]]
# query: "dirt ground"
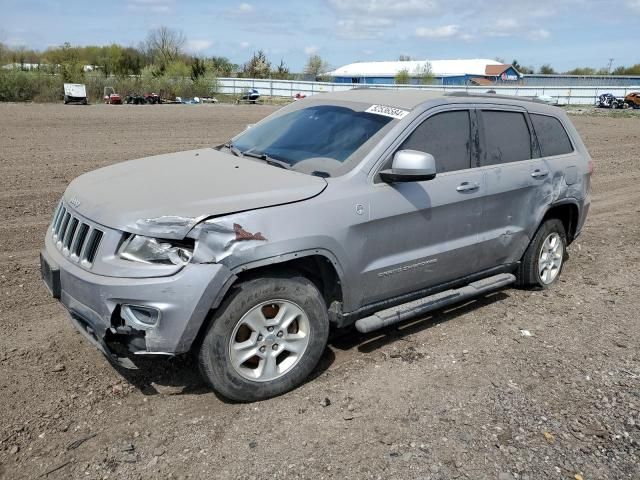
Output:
[[460, 394]]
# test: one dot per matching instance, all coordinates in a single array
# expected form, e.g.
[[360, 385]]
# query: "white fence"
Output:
[[288, 88]]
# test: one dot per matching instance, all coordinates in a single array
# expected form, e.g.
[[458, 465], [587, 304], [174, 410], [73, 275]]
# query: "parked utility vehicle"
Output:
[[111, 97], [363, 207]]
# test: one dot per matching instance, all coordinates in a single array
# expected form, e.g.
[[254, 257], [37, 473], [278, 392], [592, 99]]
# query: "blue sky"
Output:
[[564, 33]]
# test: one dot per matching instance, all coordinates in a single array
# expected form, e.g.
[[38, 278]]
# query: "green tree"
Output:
[[165, 45], [521, 68], [258, 66], [582, 71], [424, 74], [222, 66], [177, 69], [130, 62], [402, 77], [281, 72], [632, 70], [546, 69], [316, 66], [198, 68], [66, 60]]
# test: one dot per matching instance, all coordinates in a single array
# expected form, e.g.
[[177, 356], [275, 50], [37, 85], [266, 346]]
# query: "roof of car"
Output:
[[405, 98], [410, 98]]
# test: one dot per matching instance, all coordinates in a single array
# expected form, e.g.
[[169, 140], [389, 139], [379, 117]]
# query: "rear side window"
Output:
[[552, 136], [507, 137], [446, 136]]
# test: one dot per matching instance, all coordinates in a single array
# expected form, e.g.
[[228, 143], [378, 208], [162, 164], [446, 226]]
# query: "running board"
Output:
[[398, 314]]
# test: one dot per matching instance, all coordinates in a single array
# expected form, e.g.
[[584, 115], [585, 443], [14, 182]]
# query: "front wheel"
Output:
[[265, 339], [542, 263]]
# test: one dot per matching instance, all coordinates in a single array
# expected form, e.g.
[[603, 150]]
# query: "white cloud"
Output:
[[385, 8], [369, 19], [245, 44], [152, 6], [363, 28], [310, 50], [460, 20], [634, 5], [196, 46], [445, 31], [245, 8], [507, 23], [538, 34], [511, 27]]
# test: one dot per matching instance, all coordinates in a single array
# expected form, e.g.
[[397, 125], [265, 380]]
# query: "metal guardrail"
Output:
[[565, 95]]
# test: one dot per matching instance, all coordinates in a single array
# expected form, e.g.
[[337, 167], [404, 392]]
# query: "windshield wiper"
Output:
[[235, 150], [321, 174], [266, 158]]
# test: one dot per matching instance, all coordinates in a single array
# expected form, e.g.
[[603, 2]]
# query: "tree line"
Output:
[[547, 69], [162, 53]]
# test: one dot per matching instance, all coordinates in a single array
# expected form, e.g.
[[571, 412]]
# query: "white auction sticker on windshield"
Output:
[[392, 112]]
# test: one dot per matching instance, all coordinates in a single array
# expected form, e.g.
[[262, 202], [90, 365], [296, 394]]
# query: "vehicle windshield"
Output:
[[320, 139]]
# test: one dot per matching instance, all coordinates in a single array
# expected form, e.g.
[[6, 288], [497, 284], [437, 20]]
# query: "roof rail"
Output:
[[531, 99]]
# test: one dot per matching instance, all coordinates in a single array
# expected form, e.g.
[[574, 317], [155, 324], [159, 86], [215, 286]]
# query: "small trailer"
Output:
[[75, 93]]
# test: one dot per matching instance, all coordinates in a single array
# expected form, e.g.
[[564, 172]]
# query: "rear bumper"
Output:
[[183, 301]]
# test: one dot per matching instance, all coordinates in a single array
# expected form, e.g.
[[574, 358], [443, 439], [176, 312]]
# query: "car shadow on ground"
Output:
[[180, 375]]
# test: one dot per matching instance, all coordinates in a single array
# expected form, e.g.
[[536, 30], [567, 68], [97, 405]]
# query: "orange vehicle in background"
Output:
[[633, 100]]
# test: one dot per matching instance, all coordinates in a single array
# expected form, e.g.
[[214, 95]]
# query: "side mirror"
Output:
[[410, 166]]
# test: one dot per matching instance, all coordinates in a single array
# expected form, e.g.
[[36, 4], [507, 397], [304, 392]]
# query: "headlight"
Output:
[[151, 250]]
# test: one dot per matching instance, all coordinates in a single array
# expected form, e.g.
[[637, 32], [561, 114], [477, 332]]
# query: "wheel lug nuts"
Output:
[[270, 329], [280, 333], [275, 346], [260, 337], [263, 348]]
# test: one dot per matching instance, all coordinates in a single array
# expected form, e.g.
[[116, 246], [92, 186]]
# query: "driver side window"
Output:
[[446, 136]]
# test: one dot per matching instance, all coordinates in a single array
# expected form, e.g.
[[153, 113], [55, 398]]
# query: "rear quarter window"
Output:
[[552, 136]]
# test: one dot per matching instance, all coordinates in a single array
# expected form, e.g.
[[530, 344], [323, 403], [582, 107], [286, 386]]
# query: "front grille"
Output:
[[76, 239]]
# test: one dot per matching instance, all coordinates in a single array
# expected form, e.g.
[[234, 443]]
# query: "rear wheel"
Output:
[[265, 339], [542, 263]]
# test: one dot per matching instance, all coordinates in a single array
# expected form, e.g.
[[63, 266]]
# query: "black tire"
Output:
[[528, 274], [214, 352]]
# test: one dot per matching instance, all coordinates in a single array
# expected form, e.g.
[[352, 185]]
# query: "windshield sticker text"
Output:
[[387, 111]]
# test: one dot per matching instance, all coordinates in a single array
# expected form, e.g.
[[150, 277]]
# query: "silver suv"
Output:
[[365, 207]]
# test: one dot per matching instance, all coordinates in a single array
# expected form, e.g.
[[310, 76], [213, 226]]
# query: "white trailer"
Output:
[[75, 92]]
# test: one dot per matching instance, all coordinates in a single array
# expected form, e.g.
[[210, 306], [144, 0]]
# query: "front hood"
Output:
[[167, 195]]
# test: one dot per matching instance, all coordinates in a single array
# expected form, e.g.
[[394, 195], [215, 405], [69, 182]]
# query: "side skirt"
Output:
[[343, 319]]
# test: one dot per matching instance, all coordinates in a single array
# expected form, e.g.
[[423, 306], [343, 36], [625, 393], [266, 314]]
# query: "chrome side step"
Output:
[[408, 310]]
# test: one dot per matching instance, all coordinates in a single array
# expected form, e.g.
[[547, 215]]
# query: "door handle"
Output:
[[468, 187], [537, 173]]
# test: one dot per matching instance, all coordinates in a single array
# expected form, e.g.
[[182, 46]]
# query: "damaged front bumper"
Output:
[[158, 315]]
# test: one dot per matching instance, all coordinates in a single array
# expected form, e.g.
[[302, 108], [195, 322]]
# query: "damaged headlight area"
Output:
[[138, 248]]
